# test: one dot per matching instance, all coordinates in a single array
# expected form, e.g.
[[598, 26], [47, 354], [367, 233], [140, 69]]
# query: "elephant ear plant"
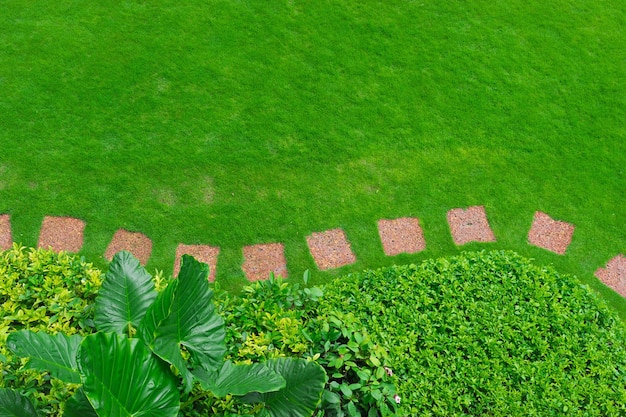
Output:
[[152, 346]]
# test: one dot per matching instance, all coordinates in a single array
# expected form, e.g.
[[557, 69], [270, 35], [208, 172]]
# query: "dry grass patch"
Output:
[[134, 242], [6, 239], [470, 225], [203, 253], [403, 235], [61, 234], [614, 275], [330, 249], [261, 260], [550, 234]]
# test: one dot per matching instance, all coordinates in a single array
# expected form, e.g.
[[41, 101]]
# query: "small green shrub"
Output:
[[151, 347], [48, 291], [274, 318], [490, 333]]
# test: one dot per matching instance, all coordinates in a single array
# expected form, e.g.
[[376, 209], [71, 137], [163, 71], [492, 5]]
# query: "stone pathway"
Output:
[[329, 249]]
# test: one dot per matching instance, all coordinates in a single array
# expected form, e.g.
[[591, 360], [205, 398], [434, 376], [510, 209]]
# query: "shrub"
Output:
[[48, 291], [490, 333], [151, 347], [274, 318]]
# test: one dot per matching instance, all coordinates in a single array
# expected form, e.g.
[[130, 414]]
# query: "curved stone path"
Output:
[[329, 249]]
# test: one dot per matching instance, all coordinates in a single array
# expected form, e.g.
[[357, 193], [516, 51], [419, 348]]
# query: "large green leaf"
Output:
[[79, 406], [126, 294], [302, 393], [184, 316], [53, 353], [14, 404], [240, 379], [121, 377]]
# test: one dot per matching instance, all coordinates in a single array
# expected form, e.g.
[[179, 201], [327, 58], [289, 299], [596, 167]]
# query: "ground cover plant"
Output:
[[238, 123], [490, 333], [147, 346]]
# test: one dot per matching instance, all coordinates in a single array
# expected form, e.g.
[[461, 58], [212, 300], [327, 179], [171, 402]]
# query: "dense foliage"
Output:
[[490, 334], [47, 291], [150, 348]]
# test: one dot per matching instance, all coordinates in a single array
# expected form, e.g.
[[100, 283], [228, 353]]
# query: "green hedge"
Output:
[[49, 291], [490, 333]]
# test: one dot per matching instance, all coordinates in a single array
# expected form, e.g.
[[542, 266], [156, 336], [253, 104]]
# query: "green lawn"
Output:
[[239, 122]]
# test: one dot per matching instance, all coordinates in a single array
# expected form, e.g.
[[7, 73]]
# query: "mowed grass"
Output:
[[237, 123]]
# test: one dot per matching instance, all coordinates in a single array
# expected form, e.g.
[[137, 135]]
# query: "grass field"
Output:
[[243, 122]]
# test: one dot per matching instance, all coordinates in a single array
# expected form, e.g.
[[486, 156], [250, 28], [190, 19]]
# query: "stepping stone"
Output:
[[550, 234], [61, 234], [6, 239], [261, 260], [203, 253], [134, 242], [403, 235], [330, 249], [614, 275], [469, 225]]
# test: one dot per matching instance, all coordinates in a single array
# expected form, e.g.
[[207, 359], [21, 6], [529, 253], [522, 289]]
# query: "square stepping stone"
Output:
[[61, 234], [203, 253], [403, 235], [134, 242], [469, 225], [614, 275], [6, 239], [261, 260], [550, 234], [330, 249]]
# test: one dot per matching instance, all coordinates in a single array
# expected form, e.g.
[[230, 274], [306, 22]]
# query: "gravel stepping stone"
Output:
[[330, 249], [6, 239], [469, 225], [261, 260], [550, 234], [134, 242], [614, 275], [61, 234], [403, 235], [203, 253]]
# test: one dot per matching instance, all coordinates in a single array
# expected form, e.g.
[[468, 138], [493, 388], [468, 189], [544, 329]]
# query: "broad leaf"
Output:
[[14, 404], [79, 406], [121, 377], [185, 317], [53, 353], [126, 294], [240, 379], [302, 393]]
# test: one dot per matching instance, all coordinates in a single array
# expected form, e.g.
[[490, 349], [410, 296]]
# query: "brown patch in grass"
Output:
[[403, 235], [614, 275], [134, 242], [470, 225], [330, 249], [261, 260], [203, 253], [6, 239], [550, 234], [61, 234]]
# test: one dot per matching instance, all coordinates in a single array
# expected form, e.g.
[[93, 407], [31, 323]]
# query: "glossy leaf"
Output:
[[184, 316], [304, 385], [240, 379], [14, 404], [53, 353], [126, 294], [121, 377], [79, 406]]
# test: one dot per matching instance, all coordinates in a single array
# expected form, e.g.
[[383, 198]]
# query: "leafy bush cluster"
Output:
[[150, 349], [490, 333], [47, 291], [275, 318], [478, 334]]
